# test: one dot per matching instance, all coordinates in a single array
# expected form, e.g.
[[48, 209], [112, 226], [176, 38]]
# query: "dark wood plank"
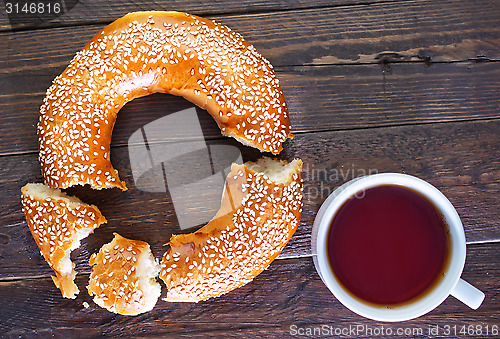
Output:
[[342, 98], [424, 30], [78, 12], [319, 98], [289, 293], [461, 159], [441, 154]]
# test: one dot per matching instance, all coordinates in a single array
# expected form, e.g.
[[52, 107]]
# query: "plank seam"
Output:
[[459, 121], [210, 15], [302, 256]]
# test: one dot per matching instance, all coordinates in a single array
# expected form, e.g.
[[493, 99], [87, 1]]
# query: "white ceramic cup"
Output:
[[450, 284]]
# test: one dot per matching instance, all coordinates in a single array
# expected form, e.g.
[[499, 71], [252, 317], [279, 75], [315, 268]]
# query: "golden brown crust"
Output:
[[66, 283], [256, 219], [57, 223], [117, 282], [147, 52]]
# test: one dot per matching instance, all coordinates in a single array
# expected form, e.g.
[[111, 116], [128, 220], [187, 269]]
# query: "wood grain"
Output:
[[289, 293], [461, 159], [426, 31], [320, 98], [79, 12]]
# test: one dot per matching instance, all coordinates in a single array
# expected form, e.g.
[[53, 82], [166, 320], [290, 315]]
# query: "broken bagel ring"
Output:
[[147, 52], [216, 69]]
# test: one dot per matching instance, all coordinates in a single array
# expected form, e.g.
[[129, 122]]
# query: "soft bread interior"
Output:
[[148, 269], [41, 191], [65, 265], [277, 170]]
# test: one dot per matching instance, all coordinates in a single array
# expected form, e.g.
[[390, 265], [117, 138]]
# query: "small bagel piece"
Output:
[[146, 52], [58, 222], [260, 210], [123, 278]]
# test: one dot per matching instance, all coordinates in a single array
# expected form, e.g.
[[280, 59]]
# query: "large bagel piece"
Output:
[[260, 211], [147, 52]]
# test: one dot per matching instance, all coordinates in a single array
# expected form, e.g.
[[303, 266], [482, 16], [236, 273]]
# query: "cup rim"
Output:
[[422, 305]]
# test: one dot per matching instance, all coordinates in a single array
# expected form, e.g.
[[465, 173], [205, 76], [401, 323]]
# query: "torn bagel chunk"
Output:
[[123, 278], [58, 222]]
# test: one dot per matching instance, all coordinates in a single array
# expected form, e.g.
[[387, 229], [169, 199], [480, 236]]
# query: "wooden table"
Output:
[[382, 86]]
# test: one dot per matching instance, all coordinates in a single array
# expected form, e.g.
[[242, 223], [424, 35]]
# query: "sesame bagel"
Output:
[[260, 211], [147, 52], [58, 222], [123, 278]]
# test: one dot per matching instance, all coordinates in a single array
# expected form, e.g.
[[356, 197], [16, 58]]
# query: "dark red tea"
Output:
[[388, 245]]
